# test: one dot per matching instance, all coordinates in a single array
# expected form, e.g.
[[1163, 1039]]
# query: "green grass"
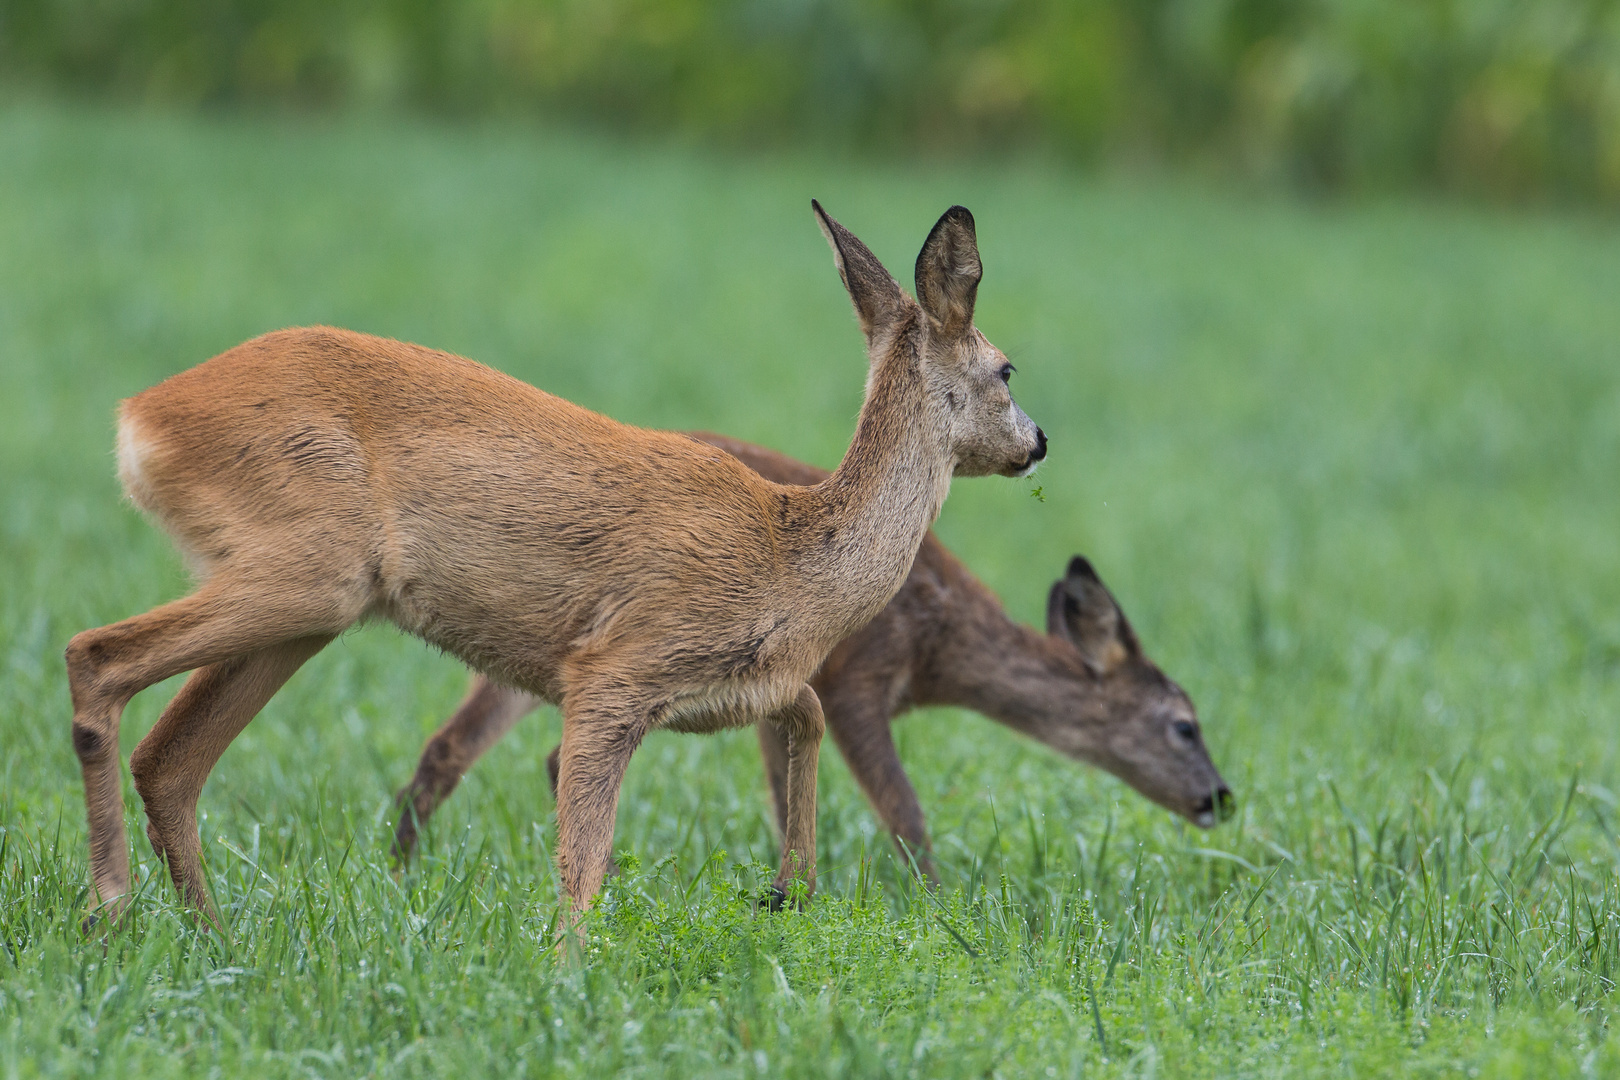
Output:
[[1351, 470]]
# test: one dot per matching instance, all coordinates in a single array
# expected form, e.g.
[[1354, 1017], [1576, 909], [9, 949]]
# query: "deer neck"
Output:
[[1028, 681], [868, 518]]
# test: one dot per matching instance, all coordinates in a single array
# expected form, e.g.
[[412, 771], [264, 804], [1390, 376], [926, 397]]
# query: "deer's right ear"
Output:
[[949, 271], [1082, 611], [872, 289]]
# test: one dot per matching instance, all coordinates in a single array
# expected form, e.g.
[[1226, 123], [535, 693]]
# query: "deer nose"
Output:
[[1040, 446], [1214, 807]]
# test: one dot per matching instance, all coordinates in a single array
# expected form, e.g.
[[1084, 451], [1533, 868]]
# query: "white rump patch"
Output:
[[133, 451]]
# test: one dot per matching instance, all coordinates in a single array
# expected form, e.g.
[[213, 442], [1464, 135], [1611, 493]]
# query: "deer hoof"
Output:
[[100, 922]]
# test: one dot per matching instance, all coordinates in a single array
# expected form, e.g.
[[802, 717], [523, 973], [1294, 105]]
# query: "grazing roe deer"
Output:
[[641, 579], [1084, 688]]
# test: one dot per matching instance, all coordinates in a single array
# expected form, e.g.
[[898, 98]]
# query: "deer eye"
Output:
[[1006, 372], [1185, 730]]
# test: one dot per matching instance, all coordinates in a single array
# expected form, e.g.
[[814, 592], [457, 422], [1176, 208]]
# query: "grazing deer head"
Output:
[[1109, 705]]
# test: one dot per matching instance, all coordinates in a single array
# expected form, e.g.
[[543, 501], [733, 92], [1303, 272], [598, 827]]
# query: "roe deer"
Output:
[[1084, 688], [641, 579]]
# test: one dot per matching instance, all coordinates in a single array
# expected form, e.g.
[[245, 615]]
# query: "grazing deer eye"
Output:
[[1185, 730], [1006, 372]]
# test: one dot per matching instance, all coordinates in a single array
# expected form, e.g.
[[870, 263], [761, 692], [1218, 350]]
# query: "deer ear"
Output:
[[1082, 611], [873, 290], [948, 272]]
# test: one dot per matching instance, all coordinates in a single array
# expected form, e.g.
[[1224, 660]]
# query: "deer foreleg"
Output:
[[800, 725], [596, 748]]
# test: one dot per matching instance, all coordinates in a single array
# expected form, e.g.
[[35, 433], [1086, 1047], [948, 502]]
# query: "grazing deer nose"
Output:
[[1214, 807], [1040, 446]]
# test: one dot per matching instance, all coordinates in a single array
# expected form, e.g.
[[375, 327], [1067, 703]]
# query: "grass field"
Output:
[[1353, 471]]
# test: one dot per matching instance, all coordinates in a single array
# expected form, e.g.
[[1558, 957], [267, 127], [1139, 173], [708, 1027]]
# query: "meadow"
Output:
[[1352, 469]]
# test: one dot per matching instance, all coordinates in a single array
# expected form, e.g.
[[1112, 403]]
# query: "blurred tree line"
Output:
[[1506, 97]]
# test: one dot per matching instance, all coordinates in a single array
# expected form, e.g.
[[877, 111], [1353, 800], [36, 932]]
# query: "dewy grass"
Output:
[[1351, 470]]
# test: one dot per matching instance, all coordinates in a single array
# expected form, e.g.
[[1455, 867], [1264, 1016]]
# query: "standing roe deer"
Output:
[[640, 579], [1084, 688]]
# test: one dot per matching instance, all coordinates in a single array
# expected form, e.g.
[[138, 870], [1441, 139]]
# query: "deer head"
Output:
[[1115, 709], [965, 377]]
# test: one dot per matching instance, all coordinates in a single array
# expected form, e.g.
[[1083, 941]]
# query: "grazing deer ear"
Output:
[[948, 272], [873, 290], [1082, 611]]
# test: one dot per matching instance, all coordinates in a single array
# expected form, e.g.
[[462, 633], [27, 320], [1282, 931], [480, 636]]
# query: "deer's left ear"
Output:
[[1082, 611], [948, 272]]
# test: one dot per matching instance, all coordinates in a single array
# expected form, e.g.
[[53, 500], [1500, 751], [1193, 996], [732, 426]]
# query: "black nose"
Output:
[[1040, 446], [1220, 803]]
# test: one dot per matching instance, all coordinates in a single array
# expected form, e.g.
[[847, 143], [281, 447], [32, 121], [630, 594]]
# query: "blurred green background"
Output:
[[1504, 97]]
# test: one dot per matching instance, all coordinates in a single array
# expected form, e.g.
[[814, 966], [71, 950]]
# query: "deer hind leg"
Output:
[[865, 739], [172, 762], [485, 715], [109, 665], [800, 725], [773, 749]]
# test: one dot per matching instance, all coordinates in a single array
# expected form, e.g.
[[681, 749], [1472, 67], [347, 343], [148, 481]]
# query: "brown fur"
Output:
[[640, 579], [1084, 688]]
